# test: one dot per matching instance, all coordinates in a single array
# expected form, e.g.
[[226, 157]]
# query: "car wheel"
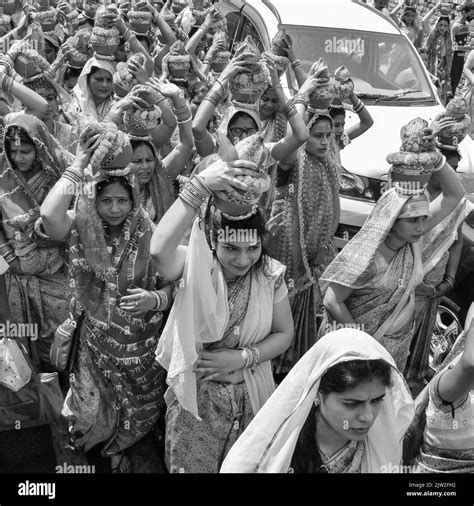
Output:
[[447, 328]]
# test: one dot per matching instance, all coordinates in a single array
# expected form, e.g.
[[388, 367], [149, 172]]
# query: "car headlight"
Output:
[[358, 187]]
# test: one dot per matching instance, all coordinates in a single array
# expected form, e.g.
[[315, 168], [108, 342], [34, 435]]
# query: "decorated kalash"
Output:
[[413, 165]]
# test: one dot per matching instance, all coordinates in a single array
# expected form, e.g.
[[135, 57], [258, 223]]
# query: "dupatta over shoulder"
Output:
[[268, 443]]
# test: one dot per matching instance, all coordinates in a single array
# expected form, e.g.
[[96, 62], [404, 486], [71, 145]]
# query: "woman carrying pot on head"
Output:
[[38, 76], [219, 357], [37, 279], [304, 218], [93, 93], [116, 389], [343, 408], [156, 175], [449, 129], [372, 281]]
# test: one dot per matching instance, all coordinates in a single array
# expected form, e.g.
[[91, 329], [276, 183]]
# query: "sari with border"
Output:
[[268, 444], [38, 291], [384, 302], [116, 395]]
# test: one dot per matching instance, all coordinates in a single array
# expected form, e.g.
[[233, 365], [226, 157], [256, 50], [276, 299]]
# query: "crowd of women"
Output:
[[442, 37], [163, 200]]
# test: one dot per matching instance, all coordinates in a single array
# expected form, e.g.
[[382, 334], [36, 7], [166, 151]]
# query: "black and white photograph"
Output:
[[236, 252]]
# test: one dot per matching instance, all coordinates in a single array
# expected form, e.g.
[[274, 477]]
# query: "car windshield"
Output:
[[384, 67]]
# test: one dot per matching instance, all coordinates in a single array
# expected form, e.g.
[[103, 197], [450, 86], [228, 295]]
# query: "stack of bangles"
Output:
[[7, 253], [302, 98], [358, 105], [74, 175], [161, 300], [195, 192], [289, 109], [253, 356], [449, 280], [216, 94], [6, 83], [296, 64], [183, 114]]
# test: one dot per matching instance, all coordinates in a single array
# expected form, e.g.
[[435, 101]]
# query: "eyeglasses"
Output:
[[237, 132]]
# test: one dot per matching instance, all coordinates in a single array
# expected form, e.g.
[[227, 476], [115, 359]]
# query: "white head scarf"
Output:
[[82, 92], [268, 443]]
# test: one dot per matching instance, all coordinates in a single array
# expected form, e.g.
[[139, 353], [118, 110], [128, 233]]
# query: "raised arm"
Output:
[[394, 12], [299, 132], [366, 120], [34, 103], [453, 192], [175, 162], [193, 42], [135, 45], [428, 15], [296, 65], [301, 103], [454, 384], [204, 142], [55, 214], [167, 255]]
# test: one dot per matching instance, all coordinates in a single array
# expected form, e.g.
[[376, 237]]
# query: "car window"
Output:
[[381, 65], [238, 27]]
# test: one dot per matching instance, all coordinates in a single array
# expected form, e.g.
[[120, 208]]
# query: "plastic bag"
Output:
[[14, 369]]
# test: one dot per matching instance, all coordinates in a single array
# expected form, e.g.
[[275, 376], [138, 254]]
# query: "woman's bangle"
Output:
[[161, 300], [194, 192], [74, 175], [205, 27], [302, 98], [257, 355], [215, 96], [183, 114], [124, 34], [449, 280], [289, 109], [440, 163], [248, 356], [6, 83], [358, 105], [9, 257], [296, 64]]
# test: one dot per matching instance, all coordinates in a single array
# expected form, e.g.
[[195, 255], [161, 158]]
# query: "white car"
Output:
[[388, 73]]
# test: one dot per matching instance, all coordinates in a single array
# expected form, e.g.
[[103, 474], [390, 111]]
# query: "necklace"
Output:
[[390, 248]]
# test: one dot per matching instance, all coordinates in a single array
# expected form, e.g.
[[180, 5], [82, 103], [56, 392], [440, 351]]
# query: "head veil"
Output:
[[96, 277], [82, 93], [268, 443], [353, 266], [21, 200], [225, 143], [160, 187]]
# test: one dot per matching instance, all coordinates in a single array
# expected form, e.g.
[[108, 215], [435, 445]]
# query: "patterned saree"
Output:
[[37, 290], [116, 392]]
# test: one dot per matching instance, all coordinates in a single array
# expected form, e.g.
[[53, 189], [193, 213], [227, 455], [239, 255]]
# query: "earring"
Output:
[[316, 402]]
